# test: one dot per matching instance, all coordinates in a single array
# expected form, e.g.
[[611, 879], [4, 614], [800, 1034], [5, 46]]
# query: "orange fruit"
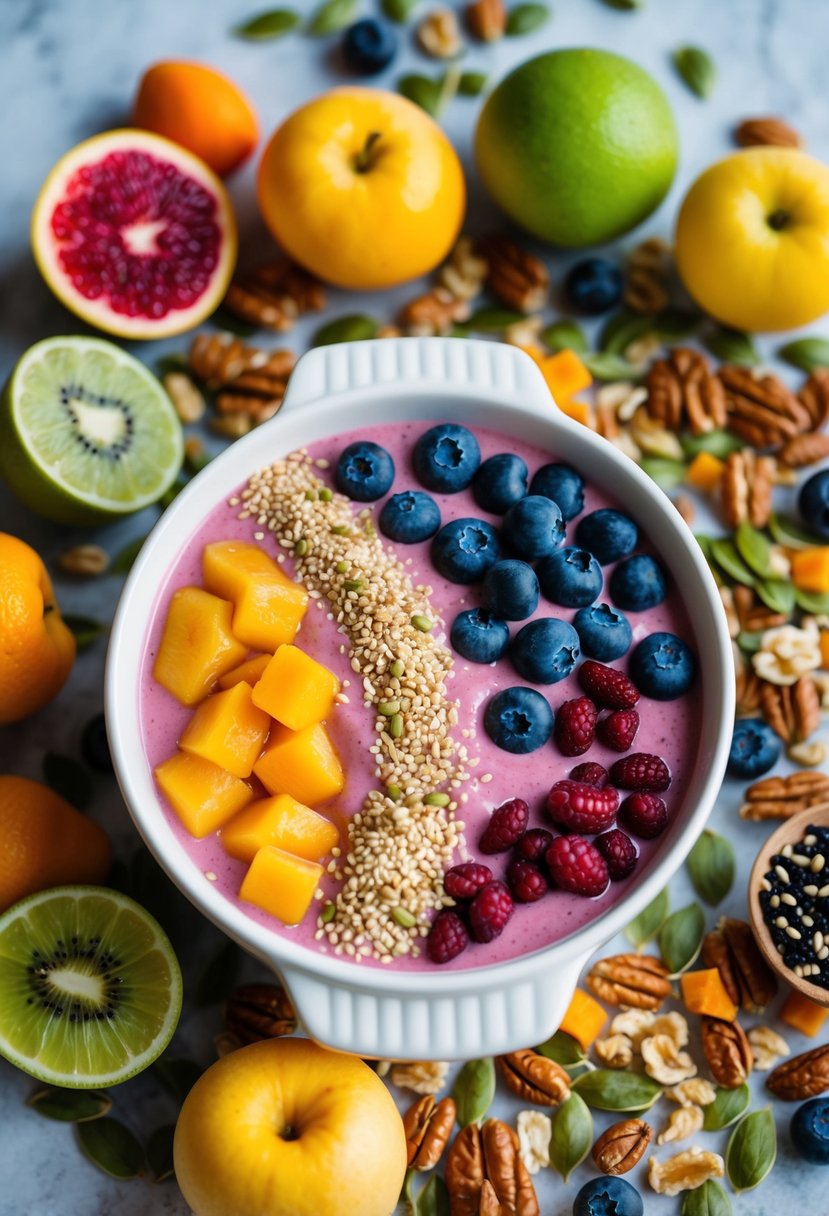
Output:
[[36, 648], [45, 842], [199, 108]]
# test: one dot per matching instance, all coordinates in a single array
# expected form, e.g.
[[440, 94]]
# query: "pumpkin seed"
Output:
[[609, 1089], [472, 84], [717, 443], [68, 778], [680, 938], [525, 18], [812, 602], [474, 1090], [731, 346], [271, 24], [754, 548], [325, 494], [423, 91], [352, 328], [622, 328], [331, 17], [396, 726], [607, 367], [160, 1152], [788, 532], [436, 799], [645, 927], [112, 1147], [726, 1108], [398, 10], [177, 1076], [724, 552], [751, 1151], [493, 320], [433, 1200], [327, 914], [711, 864], [564, 335], [697, 69], [397, 669], [750, 641], [219, 976], [70, 1105], [707, 1200], [403, 917], [422, 623], [668, 474], [84, 629], [563, 1049], [572, 1135], [777, 594], [809, 354], [301, 547]]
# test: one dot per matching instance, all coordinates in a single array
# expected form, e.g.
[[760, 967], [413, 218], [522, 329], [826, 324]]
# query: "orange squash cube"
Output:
[[824, 649], [281, 884], [250, 671], [302, 763], [197, 645], [283, 822], [705, 472], [203, 795], [268, 605], [810, 569], [803, 1014], [565, 374], [579, 411], [227, 729], [295, 689], [703, 992], [583, 1020]]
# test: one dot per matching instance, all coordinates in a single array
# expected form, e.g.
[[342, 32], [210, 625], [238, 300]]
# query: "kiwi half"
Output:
[[90, 989]]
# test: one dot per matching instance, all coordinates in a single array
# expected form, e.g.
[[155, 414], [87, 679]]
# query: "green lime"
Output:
[[90, 989], [577, 146], [87, 433]]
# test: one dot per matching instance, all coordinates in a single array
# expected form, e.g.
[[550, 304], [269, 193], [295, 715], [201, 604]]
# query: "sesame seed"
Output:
[[210, 875]]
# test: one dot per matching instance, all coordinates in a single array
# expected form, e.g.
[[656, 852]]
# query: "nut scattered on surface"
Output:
[[814, 397], [746, 488], [694, 1092], [746, 976], [683, 389], [535, 1130], [681, 1123], [787, 653], [803, 1076], [727, 1051], [767, 1047], [638, 981], [464, 272], [488, 1153], [274, 295], [516, 277], [259, 1011], [804, 450], [486, 19], [653, 438], [646, 271], [533, 1077], [434, 312], [616, 1051], [421, 1076], [684, 1171], [439, 34], [782, 797], [83, 561], [619, 1148], [218, 359], [188, 401], [791, 710], [770, 132], [665, 1062], [808, 755], [428, 1126]]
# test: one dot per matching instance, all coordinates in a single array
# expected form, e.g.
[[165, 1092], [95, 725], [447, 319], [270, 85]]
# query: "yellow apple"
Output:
[[287, 1128], [752, 239]]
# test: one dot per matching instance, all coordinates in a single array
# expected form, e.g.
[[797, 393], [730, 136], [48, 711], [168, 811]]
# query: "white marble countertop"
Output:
[[68, 69]]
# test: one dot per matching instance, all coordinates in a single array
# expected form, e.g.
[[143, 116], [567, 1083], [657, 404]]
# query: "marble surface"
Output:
[[67, 70]]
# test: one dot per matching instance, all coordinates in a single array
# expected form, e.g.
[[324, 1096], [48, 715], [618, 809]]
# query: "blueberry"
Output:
[[662, 666], [464, 550], [446, 457], [608, 534], [534, 527], [510, 590], [813, 503], [369, 46], [809, 1130], [499, 482], [594, 285], [518, 720], [608, 1197], [571, 577], [545, 651], [95, 746], [479, 636], [364, 472], [563, 484], [409, 517], [604, 632], [638, 583], [755, 748]]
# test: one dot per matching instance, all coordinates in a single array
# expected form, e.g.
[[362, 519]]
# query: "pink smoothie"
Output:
[[667, 728]]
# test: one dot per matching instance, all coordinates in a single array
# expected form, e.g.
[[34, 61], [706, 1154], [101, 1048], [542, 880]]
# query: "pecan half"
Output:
[[257, 394], [727, 1051], [486, 19], [746, 488], [428, 1126], [533, 1077], [683, 387], [489, 1205], [259, 1011], [219, 359], [637, 980], [782, 797], [814, 397], [804, 449], [761, 409], [771, 132], [516, 277], [804, 1076], [753, 615], [619, 1148], [488, 1153], [791, 710], [274, 295], [435, 312], [746, 976]]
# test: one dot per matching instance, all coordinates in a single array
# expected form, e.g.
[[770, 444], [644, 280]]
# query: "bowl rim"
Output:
[[433, 400]]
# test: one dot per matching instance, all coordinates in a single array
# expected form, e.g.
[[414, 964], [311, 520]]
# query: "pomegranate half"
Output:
[[135, 235]]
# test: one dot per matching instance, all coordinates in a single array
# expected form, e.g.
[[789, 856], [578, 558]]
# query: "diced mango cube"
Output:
[[197, 645], [228, 564], [281, 884], [584, 1018], [295, 689], [565, 374], [268, 605], [810, 569], [705, 472], [803, 1014], [283, 822], [302, 763], [579, 411], [227, 729], [824, 649], [203, 795], [250, 671]]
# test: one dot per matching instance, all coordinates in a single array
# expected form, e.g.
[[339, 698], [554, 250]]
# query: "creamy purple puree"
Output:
[[667, 728]]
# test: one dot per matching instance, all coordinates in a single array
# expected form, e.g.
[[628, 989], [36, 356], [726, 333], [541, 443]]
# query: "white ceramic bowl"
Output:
[[431, 1014]]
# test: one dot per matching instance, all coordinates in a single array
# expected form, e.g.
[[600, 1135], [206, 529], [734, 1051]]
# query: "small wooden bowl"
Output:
[[790, 832]]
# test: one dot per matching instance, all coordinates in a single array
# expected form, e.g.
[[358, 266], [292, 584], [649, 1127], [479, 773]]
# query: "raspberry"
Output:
[[641, 771], [466, 880], [644, 814], [447, 937], [526, 882], [607, 685], [590, 773], [618, 730], [489, 911], [534, 844], [575, 726], [507, 823], [620, 853], [577, 866], [582, 808]]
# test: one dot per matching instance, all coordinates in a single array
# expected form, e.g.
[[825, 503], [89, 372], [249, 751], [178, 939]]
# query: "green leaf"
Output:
[[754, 548], [160, 1152], [789, 532], [717, 443], [423, 91], [677, 322], [724, 552], [472, 84], [751, 1150], [627, 6], [398, 10], [645, 927], [177, 1076], [610, 367], [175, 362], [564, 335], [707, 1200], [70, 1105], [112, 1147], [668, 474], [493, 320], [731, 346], [525, 18], [726, 1108], [433, 1200], [711, 864], [622, 328], [572, 1135], [812, 602], [809, 354], [219, 976], [680, 938], [474, 1090], [563, 1049], [352, 328], [750, 642], [125, 560], [777, 594], [68, 778], [697, 69], [84, 629], [609, 1089], [332, 17], [225, 320], [271, 24]]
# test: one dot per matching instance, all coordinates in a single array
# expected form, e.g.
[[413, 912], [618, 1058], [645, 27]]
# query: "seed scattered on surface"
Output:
[[422, 623], [325, 494], [301, 547], [341, 567], [403, 917], [786, 851], [396, 726], [353, 584], [437, 800], [397, 669], [327, 913], [388, 708]]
